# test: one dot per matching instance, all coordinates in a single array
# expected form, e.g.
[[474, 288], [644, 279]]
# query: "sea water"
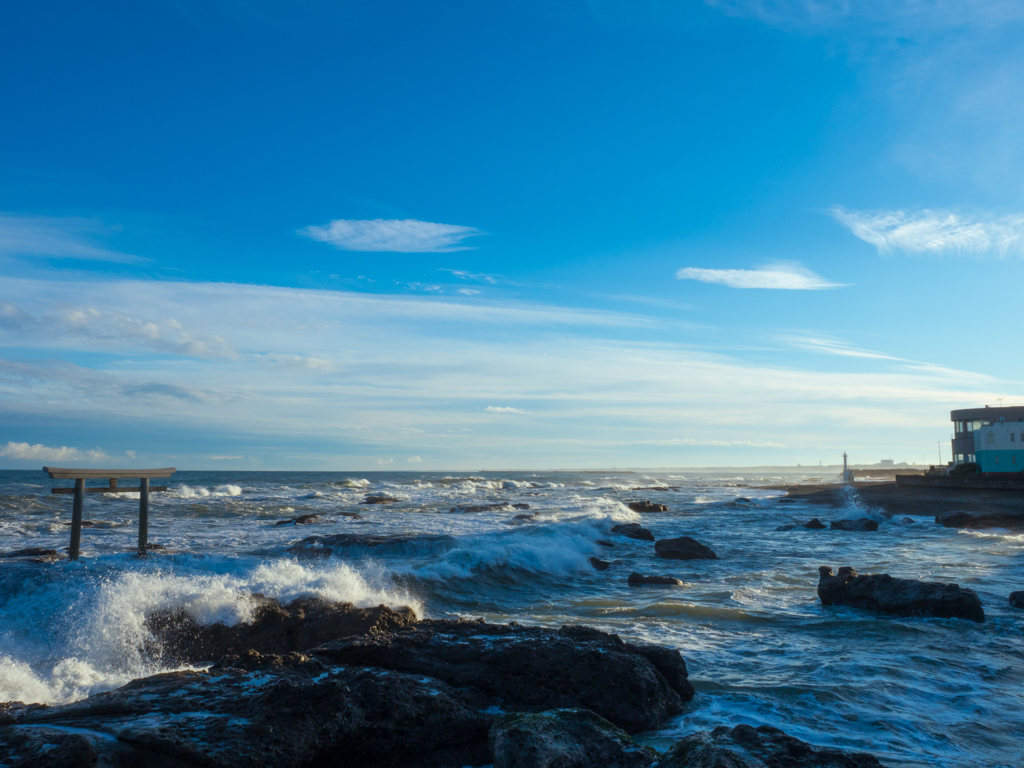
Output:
[[759, 646]]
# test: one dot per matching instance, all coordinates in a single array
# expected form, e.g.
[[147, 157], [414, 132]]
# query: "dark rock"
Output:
[[302, 520], [151, 545], [647, 506], [391, 544], [604, 543], [633, 531], [533, 668], [656, 488], [599, 564], [520, 506], [785, 500], [289, 712], [301, 624], [483, 507], [643, 580], [32, 552], [815, 524], [523, 517], [997, 518], [564, 738], [743, 499], [900, 597], [763, 747], [863, 524], [786, 527], [683, 548], [379, 500], [85, 523], [1017, 600]]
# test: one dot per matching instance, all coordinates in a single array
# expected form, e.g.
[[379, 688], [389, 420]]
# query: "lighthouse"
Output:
[[847, 472]]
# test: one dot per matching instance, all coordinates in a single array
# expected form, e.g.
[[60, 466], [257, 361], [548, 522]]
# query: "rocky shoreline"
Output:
[[387, 689]]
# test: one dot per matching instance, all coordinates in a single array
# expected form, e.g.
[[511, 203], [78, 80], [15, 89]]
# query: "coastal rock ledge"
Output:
[[426, 694], [900, 597]]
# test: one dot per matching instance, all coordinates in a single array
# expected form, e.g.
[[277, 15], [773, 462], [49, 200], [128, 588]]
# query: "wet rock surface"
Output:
[[379, 500], [644, 580], [996, 518], [633, 531], [861, 524], [763, 747], [36, 553], [899, 597], [275, 628], [647, 506], [599, 564], [564, 738], [271, 711], [504, 505], [814, 524], [1017, 600], [683, 548], [302, 520], [634, 686]]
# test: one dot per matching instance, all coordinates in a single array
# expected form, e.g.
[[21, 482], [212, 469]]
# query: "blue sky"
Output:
[[521, 235]]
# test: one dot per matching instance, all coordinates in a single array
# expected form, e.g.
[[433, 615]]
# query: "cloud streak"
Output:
[[392, 235], [935, 232], [39, 452], [780, 277], [58, 237]]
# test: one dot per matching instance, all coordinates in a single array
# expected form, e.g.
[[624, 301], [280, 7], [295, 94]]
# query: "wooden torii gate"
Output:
[[113, 475]]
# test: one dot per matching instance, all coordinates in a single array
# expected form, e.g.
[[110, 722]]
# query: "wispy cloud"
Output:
[[937, 232], [59, 238], [414, 460], [835, 347], [780, 277], [503, 409], [465, 275], [469, 291], [394, 235], [38, 452], [226, 458]]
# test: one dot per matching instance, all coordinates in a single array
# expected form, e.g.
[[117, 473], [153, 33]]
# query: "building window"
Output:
[[1012, 437], [990, 439], [997, 459]]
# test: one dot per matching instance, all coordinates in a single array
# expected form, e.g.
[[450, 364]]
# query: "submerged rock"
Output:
[[599, 564], [814, 524], [392, 544], [763, 747], [301, 520], [862, 524], [900, 597], [275, 628], [996, 518], [647, 506], [37, 553], [633, 531], [564, 738], [520, 506], [683, 548], [643, 580], [1017, 600], [604, 543], [485, 507], [380, 499], [635, 686]]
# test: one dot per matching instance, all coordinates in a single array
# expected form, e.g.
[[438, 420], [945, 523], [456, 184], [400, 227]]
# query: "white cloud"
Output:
[[465, 275], [836, 347], [468, 291], [130, 454], [385, 461], [38, 452], [937, 232], [782, 276], [414, 460], [394, 235], [227, 458], [55, 237], [503, 409]]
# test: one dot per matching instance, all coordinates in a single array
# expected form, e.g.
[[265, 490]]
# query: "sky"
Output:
[[248, 234]]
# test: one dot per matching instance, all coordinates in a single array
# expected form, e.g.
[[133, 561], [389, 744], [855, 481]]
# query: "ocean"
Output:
[[759, 646]]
